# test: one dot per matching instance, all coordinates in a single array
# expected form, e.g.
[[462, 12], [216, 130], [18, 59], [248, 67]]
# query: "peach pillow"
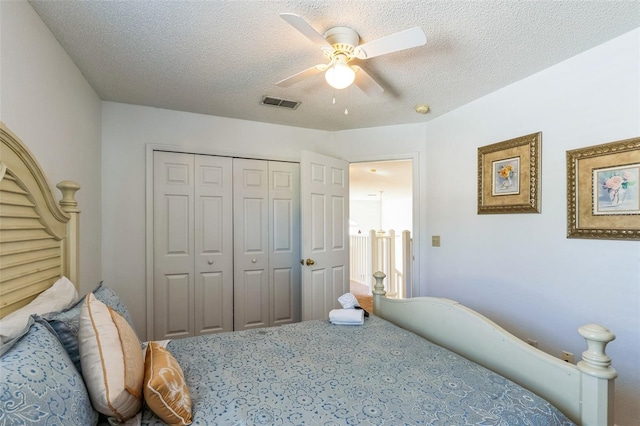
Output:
[[111, 360], [165, 390]]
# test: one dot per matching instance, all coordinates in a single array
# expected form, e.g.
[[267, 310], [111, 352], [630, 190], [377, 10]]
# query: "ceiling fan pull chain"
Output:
[[346, 100]]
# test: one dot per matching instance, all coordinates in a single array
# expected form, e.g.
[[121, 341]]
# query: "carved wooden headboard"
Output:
[[38, 238]]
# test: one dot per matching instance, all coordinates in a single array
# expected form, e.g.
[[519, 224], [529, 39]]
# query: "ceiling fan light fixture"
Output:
[[340, 75]]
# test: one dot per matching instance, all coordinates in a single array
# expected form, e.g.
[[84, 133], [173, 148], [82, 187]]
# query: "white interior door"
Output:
[[325, 233]]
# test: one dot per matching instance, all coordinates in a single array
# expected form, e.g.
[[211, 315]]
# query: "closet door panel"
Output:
[[211, 318], [211, 221], [254, 225], [254, 302], [173, 227], [176, 210], [284, 242], [213, 244], [283, 291], [251, 234], [173, 300]]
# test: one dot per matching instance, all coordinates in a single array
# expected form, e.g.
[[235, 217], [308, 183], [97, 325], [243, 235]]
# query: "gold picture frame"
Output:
[[509, 176], [603, 191]]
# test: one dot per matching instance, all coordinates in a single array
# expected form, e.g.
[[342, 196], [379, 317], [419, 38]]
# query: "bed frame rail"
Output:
[[583, 392]]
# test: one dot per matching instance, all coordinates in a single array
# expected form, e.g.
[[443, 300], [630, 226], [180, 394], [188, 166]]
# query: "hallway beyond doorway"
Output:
[[361, 292]]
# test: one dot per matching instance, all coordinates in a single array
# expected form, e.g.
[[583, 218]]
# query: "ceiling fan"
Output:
[[340, 45]]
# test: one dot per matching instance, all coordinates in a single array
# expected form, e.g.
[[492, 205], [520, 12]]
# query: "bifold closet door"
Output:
[[266, 243], [251, 236], [213, 310], [193, 245]]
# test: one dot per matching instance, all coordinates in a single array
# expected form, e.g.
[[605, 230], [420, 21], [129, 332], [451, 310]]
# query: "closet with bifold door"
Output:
[[226, 244]]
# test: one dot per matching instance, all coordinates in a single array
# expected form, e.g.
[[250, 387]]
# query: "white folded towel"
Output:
[[348, 301], [346, 316]]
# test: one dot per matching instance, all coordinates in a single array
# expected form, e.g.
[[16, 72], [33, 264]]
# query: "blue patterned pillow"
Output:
[[66, 323], [39, 383]]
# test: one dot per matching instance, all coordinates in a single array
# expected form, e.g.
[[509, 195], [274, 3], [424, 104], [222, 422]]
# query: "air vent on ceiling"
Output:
[[284, 103]]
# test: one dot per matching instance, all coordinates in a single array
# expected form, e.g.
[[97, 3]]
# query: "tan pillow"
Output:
[[165, 390], [111, 359]]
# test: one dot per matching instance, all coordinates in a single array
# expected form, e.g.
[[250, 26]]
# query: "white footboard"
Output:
[[584, 392]]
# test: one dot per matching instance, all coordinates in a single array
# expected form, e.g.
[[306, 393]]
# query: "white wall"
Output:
[[520, 269], [396, 215], [49, 105], [366, 214], [127, 130]]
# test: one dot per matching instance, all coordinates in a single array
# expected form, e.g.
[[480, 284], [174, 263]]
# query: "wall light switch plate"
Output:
[[435, 240]]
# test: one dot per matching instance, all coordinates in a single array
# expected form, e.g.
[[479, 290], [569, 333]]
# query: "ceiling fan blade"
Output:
[[366, 83], [307, 30], [406, 39], [297, 78]]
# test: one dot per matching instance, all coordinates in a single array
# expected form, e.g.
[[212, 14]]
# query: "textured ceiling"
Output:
[[220, 57]]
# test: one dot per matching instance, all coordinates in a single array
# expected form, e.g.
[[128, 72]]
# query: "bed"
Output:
[[414, 361]]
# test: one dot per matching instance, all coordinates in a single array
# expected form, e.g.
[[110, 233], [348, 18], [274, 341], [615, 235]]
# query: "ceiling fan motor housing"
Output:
[[343, 39]]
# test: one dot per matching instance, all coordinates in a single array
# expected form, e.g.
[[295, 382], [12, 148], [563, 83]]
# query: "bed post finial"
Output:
[[68, 202], [598, 376], [378, 287], [595, 362], [378, 291]]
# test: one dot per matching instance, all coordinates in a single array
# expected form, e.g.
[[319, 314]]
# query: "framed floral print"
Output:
[[603, 191], [509, 176]]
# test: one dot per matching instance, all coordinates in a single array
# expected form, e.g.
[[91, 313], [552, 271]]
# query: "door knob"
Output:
[[310, 262], [210, 262], [254, 260]]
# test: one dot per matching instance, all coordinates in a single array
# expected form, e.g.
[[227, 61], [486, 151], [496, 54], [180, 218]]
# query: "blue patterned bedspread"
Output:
[[315, 373]]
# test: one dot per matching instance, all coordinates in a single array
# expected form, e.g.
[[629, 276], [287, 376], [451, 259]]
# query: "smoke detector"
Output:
[[422, 108]]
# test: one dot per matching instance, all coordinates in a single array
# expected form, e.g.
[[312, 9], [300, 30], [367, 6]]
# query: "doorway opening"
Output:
[[380, 210]]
